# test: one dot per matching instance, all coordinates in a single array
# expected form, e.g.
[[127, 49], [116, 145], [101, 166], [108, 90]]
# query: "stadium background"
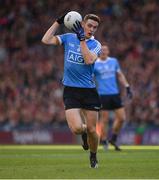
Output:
[[31, 108]]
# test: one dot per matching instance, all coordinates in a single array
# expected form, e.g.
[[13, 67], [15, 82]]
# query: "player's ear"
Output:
[[82, 23]]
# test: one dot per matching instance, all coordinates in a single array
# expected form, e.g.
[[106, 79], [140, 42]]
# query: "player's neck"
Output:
[[103, 58]]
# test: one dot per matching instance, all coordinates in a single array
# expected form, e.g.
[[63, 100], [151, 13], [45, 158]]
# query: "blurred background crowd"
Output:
[[31, 72]]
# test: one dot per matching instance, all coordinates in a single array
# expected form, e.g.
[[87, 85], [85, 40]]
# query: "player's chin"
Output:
[[88, 36]]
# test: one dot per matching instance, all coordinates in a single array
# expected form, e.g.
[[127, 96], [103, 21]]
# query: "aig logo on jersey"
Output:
[[75, 57]]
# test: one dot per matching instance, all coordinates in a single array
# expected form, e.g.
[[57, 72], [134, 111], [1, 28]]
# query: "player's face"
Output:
[[90, 26], [104, 52]]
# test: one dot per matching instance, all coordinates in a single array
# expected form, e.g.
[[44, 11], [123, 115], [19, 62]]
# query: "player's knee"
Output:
[[77, 129], [91, 130], [121, 120]]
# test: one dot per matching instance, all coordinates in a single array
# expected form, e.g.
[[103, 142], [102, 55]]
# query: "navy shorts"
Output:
[[83, 98], [111, 102]]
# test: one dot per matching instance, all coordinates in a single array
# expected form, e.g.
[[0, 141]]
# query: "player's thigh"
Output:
[[120, 114], [91, 119], [73, 118]]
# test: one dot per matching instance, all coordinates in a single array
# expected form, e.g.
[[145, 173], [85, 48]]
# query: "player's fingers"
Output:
[[75, 27], [78, 24], [73, 30]]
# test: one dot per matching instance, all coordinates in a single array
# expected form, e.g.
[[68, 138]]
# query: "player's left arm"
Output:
[[122, 79], [89, 57]]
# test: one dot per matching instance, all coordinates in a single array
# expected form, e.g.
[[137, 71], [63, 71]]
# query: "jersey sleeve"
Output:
[[96, 48], [118, 69], [62, 38]]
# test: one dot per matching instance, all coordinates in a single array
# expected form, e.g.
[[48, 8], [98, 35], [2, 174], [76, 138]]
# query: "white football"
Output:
[[70, 19]]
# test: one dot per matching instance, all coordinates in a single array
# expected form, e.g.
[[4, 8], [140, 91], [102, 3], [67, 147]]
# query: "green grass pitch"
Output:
[[71, 162]]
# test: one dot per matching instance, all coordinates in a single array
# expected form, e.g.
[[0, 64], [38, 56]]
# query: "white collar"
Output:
[[91, 38], [103, 61]]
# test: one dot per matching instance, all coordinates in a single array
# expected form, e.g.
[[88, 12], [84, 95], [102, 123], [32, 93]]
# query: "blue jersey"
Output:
[[106, 76], [76, 72]]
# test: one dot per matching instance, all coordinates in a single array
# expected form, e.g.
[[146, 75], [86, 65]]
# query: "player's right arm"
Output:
[[49, 37]]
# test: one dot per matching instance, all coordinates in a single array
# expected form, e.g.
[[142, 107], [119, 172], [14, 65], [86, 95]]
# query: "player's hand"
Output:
[[129, 92], [60, 19], [78, 29]]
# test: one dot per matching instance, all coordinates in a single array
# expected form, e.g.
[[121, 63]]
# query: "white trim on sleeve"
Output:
[[58, 37]]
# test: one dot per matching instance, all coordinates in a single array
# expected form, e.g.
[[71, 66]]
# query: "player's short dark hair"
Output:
[[93, 17]]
